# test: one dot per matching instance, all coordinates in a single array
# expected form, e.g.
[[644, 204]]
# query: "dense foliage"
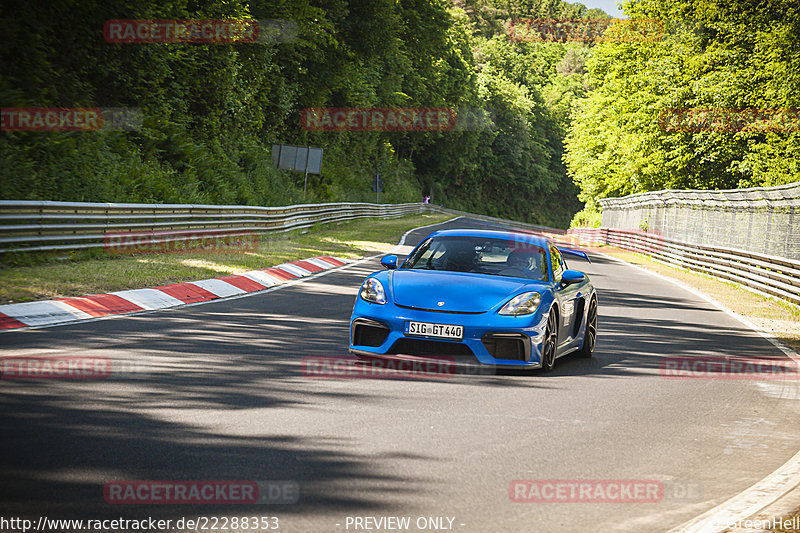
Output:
[[714, 54], [545, 116], [212, 111]]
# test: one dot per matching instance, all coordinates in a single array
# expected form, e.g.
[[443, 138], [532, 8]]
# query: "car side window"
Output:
[[427, 255], [557, 263]]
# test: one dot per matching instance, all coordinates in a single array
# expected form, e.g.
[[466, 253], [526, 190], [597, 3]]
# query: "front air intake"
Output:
[[369, 333], [514, 346]]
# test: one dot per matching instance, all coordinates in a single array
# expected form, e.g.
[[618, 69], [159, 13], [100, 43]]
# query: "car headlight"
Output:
[[522, 304], [372, 291]]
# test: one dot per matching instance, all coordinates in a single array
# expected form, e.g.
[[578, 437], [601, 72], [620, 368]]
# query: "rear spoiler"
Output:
[[576, 253]]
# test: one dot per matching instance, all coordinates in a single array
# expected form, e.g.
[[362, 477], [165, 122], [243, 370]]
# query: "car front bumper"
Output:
[[488, 338]]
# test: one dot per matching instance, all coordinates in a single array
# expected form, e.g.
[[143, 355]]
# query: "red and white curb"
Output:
[[61, 310]]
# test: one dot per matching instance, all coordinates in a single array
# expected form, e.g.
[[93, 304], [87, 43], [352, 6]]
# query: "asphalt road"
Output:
[[218, 392]]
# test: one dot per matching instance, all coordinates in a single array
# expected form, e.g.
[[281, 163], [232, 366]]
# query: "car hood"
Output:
[[460, 292]]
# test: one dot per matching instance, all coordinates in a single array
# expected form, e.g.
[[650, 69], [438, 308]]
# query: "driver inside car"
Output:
[[460, 256], [522, 264]]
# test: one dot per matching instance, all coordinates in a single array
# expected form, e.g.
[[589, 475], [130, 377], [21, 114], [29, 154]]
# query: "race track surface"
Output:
[[218, 392]]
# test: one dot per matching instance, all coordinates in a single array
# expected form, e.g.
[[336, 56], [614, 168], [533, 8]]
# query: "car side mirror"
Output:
[[389, 261], [572, 276]]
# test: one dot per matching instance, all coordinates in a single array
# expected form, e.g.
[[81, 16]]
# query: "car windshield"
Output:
[[497, 257]]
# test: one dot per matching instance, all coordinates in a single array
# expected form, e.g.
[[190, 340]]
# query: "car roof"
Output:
[[528, 238]]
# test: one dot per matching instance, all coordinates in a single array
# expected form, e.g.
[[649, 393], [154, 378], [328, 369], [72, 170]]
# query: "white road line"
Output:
[[747, 503], [406, 234]]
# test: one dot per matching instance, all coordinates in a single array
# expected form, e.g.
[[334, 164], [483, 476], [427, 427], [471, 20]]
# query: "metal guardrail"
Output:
[[28, 226], [764, 220], [774, 276], [31, 226], [763, 273]]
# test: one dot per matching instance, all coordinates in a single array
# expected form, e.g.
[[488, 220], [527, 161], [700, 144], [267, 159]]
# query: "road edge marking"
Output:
[[287, 283], [762, 494]]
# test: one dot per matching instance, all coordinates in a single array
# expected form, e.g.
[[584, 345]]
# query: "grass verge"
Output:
[[780, 319], [99, 272]]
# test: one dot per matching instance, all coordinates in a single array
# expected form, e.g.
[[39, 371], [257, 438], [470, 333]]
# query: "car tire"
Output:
[[550, 343], [590, 333]]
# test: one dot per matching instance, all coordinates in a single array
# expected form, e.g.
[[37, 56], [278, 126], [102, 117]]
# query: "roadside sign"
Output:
[[377, 187], [377, 183]]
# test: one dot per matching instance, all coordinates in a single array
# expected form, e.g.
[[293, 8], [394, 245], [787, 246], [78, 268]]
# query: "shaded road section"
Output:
[[218, 392]]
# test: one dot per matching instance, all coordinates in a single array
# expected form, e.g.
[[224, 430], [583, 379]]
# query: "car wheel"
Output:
[[550, 343], [590, 335]]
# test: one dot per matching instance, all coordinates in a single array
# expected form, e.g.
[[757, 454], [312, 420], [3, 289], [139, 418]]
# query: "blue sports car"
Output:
[[495, 298]]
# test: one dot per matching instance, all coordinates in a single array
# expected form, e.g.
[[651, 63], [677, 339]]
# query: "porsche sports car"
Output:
[[478, 297]]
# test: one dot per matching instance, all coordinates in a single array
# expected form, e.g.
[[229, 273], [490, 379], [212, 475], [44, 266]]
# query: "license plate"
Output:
[[443, 331]]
